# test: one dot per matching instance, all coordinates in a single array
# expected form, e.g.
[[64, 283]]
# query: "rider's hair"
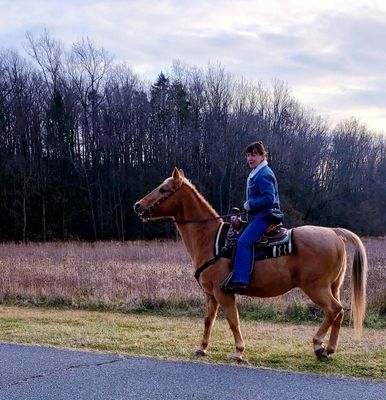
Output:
[[257, 147]]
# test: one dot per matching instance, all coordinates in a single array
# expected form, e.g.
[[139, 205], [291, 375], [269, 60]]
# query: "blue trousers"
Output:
[[244, 249]]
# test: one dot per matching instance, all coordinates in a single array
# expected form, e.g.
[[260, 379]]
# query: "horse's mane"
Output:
[[200, 197]]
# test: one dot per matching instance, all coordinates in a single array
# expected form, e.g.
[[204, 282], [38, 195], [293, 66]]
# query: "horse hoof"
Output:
[[200, 353], [236, 360], [321, 354]]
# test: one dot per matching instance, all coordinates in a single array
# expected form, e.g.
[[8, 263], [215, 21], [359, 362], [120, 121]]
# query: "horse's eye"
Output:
[[162, 190]]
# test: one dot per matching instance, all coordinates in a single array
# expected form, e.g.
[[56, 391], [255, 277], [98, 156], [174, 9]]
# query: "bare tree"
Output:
[[82, 137], [48, 53]]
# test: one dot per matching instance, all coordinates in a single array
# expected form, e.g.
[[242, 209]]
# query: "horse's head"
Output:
[[160, 203]]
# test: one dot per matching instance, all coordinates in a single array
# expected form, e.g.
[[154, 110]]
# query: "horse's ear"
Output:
[[182, 173], [176, 174]]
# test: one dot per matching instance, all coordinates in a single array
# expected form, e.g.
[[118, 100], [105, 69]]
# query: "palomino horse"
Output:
[[317, 267]]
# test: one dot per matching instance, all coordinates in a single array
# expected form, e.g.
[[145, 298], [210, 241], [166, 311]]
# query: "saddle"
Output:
[[277, 241], [275, 234]]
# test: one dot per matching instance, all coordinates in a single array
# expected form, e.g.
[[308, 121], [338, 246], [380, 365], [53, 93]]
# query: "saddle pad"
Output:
[[282, 248]]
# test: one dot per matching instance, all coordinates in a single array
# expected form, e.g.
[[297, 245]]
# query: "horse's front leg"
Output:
[[228, 305], [210, 316]]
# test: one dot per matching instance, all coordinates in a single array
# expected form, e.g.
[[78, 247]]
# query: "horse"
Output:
[[317, 267]]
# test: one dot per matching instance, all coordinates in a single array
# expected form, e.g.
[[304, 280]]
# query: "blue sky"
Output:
[[332, 55]]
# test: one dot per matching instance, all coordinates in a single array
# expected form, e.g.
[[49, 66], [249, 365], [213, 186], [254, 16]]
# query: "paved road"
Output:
[[37, 373]]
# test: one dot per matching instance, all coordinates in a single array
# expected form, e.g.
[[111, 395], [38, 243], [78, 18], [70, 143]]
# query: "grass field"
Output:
[[155, 308], [282, 346]]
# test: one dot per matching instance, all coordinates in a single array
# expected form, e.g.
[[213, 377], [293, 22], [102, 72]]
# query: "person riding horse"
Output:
[[317, 266], [262, 198]]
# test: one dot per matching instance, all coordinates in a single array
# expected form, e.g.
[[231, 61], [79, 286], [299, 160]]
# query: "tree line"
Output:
[[82, 138]]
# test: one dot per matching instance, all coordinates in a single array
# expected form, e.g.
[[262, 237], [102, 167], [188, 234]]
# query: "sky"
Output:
[[331, 55]]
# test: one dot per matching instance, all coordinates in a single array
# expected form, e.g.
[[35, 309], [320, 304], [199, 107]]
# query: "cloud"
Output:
[[331, 53]]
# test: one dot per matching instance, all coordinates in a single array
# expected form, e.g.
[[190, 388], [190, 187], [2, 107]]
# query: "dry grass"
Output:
[[376, 286], [113, 274], [134, 275]]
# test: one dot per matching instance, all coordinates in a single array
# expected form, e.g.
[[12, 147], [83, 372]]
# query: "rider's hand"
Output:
[[246, 206]]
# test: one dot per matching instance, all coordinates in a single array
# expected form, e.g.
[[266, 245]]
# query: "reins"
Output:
[[185, 221], [192, 221]]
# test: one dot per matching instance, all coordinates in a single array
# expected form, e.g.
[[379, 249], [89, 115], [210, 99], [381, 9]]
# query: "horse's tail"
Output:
[[358, 278]]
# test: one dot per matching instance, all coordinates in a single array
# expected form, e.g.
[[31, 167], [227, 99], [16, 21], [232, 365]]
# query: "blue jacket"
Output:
[[262, 192]]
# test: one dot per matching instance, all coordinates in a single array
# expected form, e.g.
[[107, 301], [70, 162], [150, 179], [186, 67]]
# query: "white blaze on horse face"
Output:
[[149, 199], [167, 184], [152, 206], [155, 195]]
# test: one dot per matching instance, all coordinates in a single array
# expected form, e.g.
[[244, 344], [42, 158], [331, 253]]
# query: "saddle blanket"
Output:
[[226, 240]]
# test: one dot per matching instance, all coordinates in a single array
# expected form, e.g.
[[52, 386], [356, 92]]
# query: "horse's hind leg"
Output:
[[335, 328], [332, 310], [228, 305], [210, 316]]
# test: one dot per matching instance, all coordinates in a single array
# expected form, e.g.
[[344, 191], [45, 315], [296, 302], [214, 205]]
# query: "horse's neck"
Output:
[[197, 237]]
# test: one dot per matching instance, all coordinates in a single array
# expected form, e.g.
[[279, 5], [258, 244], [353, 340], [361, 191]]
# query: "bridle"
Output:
[[149, 211]]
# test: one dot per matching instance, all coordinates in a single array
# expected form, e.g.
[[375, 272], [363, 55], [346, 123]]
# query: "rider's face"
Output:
[[254, 159]]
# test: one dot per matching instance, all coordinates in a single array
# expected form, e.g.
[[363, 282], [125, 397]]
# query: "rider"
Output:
[[262, 197]]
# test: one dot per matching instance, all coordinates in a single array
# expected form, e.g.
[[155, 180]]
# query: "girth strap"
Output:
[[219, 238], [204, 267]]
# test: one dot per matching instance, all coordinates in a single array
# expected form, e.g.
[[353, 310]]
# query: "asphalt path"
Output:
[[37, 373]]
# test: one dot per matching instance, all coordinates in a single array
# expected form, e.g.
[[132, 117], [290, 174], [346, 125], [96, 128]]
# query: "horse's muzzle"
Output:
[[137, 208], [144, 213]]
